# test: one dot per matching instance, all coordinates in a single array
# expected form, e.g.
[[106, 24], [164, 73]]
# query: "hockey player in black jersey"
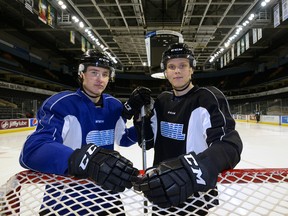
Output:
[[193, 135]]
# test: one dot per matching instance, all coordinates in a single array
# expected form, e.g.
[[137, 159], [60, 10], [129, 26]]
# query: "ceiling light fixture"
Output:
[[86, 32], [232, 38]]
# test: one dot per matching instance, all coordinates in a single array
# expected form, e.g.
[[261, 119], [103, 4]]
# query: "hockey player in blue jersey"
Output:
[[76, 131], [194, 139]]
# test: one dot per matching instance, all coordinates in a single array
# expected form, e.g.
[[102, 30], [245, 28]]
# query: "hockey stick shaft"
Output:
[[143, 140]]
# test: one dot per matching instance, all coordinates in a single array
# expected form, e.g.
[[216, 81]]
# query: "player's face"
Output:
[[95, 80], [178, 72]]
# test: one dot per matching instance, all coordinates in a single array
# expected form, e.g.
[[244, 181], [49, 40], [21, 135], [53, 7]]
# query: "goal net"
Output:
[[240, 192]]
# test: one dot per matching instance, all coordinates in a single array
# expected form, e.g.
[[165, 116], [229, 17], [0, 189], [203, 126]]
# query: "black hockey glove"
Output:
[[138, 98], [149, 135], [173, 181], [106, 167]]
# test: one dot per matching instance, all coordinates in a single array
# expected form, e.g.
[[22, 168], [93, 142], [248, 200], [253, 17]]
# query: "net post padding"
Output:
[[240, 192]]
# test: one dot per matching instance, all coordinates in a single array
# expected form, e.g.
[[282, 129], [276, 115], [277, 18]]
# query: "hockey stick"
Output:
[[143, 144], [144, 111], [143, 140]]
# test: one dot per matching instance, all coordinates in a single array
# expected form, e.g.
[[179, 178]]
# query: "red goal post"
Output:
[[240, 192]]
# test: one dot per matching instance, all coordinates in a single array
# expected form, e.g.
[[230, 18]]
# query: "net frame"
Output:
[[241, 192]]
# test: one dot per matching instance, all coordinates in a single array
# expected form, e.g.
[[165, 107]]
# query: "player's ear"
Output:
[[165, 75], [191, 70], [191, 73], [81, 75]]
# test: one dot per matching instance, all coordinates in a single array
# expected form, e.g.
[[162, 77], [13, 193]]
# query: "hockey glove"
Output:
[[148, 135], [173, 181], [139, 97], [106, 167]]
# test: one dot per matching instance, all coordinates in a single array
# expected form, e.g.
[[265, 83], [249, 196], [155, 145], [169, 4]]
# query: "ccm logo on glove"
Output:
[[105, 167], [85, 160], [127, 106], [197, 171]]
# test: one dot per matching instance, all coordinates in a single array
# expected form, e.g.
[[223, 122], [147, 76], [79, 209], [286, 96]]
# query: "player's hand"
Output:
[[106, 167], [173, 181], [149, 135], [141, 96]]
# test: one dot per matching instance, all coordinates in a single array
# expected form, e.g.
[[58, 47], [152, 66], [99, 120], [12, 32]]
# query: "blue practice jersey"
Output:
[[69, 120]]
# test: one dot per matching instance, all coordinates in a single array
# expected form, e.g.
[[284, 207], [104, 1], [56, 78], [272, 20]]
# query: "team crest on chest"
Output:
[[172, 130]]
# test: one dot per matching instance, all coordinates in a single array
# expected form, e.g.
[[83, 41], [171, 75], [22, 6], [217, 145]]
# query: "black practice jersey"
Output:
[[195, 122]]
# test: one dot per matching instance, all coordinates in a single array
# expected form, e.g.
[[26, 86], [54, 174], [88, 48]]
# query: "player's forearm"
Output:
[[46, 157], [224, 153], [129, 137]]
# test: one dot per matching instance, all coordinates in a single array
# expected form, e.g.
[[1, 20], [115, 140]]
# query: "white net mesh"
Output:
[[240, 192]]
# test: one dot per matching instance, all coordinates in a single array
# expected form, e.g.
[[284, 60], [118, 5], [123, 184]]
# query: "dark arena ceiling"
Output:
[[119, 27]]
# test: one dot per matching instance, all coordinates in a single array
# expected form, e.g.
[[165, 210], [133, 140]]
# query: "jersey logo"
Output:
[[172, 130], [101, 137], [196, 170], [85, 159], [171, 113]]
